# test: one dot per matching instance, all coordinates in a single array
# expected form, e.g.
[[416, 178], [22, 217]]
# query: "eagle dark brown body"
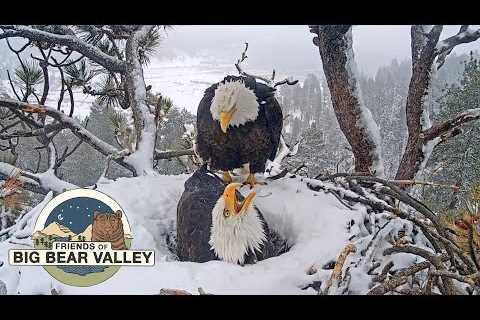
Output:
[[194, 221], [253, 142]]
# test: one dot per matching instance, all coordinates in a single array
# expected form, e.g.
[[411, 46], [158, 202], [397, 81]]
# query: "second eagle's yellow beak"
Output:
[[232, 207], [225, 118]]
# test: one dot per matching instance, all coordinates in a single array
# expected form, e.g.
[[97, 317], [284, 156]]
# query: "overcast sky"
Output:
[[287, 47]]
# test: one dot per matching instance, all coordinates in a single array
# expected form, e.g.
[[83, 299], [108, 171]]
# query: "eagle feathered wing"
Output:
[[272, 110], [194, 216], [274, 116]]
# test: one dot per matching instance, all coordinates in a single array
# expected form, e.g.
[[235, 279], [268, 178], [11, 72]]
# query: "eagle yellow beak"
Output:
[[231, 204], [225, 118]]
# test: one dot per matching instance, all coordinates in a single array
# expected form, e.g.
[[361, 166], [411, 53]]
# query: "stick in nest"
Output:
[[174, 292], [336, 276]]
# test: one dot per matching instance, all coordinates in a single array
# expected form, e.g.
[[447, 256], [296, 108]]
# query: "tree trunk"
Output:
[[423, 56], [355, 120], [144, 122]]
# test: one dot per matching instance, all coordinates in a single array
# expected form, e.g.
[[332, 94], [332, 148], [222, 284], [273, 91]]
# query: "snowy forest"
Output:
[[375, 185]]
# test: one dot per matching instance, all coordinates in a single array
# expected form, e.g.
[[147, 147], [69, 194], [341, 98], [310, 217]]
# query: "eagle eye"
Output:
[[226, 213]]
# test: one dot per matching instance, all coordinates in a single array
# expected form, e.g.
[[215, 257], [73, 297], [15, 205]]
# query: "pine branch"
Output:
[[70, 40], [69, 123]]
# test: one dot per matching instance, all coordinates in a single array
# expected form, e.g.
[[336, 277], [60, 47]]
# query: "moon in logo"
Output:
[[60, 217]]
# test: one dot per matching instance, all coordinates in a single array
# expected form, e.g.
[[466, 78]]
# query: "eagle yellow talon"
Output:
[[34, 109], [252, 181], [227, 177]]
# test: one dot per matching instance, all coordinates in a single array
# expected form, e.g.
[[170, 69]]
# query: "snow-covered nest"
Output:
[[317, 225]]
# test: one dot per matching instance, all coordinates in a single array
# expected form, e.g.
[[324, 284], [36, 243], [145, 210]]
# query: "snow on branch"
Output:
[[422, 137], [445, 47], [144, 121], [432, 246], [450, 127], [270, 82], [43, 182], [68, 39], [273, 168], [36, 182]]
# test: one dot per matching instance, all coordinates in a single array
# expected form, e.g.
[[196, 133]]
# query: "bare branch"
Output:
[[434, 259], [270, 82], [173, 154], [73, 42], [243, 73], [469, 279], [286, 81], [70, 123]]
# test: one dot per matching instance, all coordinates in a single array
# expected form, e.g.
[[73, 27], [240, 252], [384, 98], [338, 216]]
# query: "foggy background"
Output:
[[290, 46], [191, 58]]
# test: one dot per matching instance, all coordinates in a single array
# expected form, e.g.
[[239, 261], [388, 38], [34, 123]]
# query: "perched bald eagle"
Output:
[[239, 123], [214, 221]]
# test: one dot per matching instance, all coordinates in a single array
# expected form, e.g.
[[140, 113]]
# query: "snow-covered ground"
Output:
[[315, 223]]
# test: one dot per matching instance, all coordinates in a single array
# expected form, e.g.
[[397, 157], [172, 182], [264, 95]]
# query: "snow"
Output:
[[189, 130], [314, 223], [47, 179], [142, 158], [443, 45], [426, 123], [273, 168], [427, 150], [471, 113]]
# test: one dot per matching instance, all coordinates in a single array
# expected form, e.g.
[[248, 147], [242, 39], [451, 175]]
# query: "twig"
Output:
[[336, 276], [270, 82]]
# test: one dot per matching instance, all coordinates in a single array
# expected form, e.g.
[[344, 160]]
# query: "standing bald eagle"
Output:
[[214, 221], [239, 123]]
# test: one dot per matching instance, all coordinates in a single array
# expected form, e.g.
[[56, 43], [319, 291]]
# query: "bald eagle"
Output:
[[239, 123], [214, 221]]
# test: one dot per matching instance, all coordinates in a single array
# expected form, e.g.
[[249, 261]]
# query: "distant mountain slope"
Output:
[[55, 229]]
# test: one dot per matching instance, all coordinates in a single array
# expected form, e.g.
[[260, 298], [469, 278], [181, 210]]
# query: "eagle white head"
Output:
[[233, 104], [236, 226]]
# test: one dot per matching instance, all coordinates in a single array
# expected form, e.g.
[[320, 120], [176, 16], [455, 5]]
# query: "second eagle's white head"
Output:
[[236, 227], [233, 104]]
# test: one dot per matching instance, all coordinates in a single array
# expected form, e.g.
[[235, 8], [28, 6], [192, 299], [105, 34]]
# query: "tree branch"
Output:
[[444, 47], [270, 82], [144, 121], [40, 183], [73, 42], [424, 40], [449, 125], [70, 123], [173, 154]]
